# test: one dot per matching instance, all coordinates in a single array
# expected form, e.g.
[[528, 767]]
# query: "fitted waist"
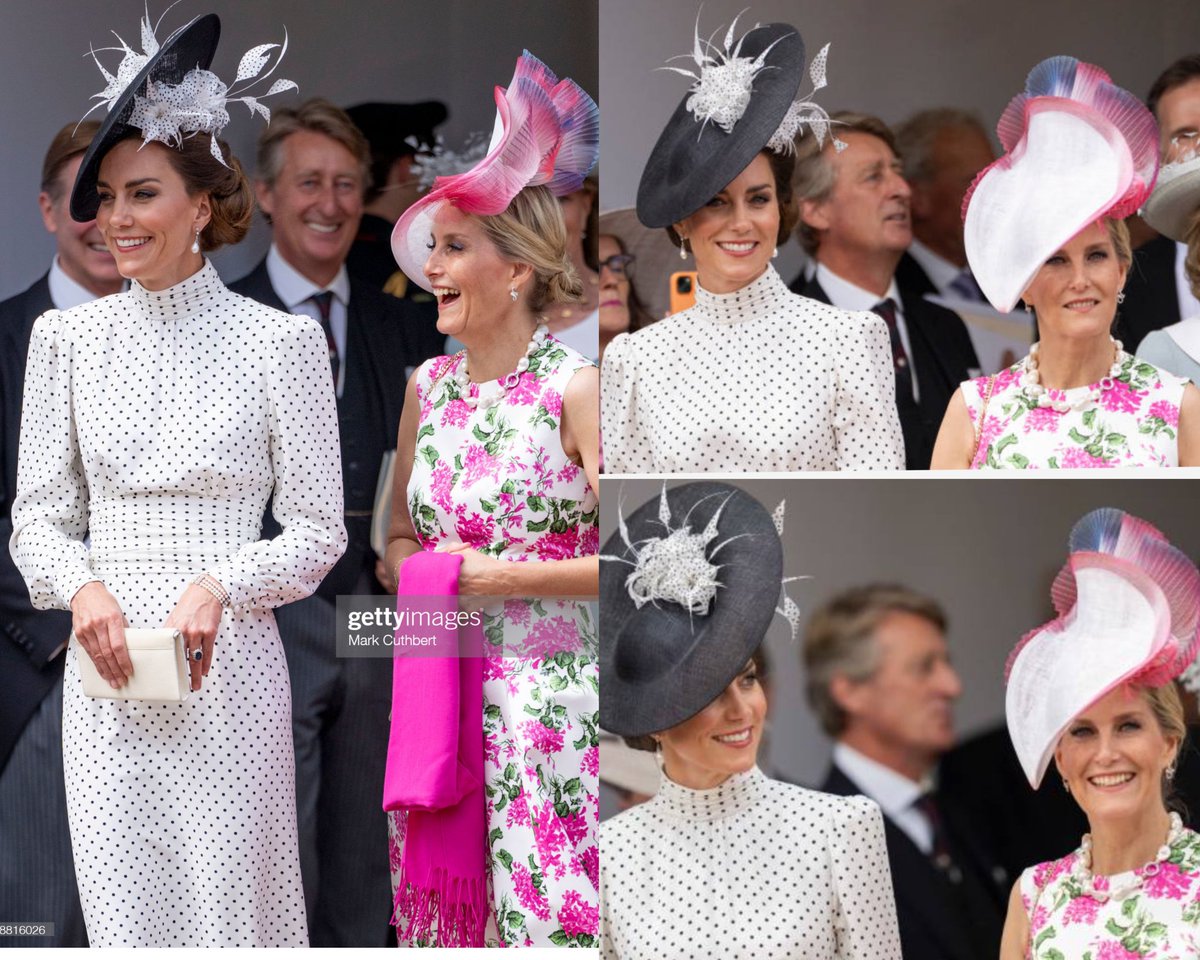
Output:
[[162, 526]]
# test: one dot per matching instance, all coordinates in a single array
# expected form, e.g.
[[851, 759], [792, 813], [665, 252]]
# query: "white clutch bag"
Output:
[[160, 672]]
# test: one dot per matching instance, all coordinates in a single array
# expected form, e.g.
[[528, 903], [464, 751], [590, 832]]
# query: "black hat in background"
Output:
[[694, 160], [388, 126], [662, 663], [190, 47]]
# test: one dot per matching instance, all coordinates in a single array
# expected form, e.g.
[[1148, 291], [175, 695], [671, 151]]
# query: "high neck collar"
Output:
[[757, 298], [725, 800], [182, 300]]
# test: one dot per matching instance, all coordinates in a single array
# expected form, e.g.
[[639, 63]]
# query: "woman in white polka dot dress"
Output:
[[722, 862], [158, 422], [753, 377]]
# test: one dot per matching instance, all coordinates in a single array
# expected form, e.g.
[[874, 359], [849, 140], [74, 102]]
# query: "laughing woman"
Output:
[[1093, 691], [723, 862], [753, 377]]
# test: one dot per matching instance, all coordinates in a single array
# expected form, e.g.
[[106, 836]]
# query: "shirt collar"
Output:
[[848, 296], [941, 272], [893, 791], [294, 288], [65, 293]]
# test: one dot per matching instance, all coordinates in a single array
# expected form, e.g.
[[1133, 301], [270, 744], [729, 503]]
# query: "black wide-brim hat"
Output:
[[660, 664], [191, 47], [693, 161], [388, 126]]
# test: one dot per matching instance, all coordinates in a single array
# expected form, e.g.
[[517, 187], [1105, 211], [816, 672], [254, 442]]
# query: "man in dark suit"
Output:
[[312, 172], [1157, 292], [37, 876], [395, 131], [879, 677], [855, 223]]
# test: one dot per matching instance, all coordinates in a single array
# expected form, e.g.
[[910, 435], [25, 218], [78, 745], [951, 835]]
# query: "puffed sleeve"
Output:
[[865, 925], [307, 463], [619, 443], [50, 512], [866, 424]]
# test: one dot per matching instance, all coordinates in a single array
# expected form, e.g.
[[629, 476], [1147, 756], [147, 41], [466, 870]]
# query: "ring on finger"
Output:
[[197, 655]]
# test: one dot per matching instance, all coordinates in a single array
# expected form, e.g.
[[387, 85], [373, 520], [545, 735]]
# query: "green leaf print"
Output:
[[559, 938], [430, 455], [538, 526], [1089, 418], [505, 857]]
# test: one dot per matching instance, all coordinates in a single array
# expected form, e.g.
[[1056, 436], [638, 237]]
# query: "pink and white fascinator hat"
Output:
[[1077, 148], [1128, 607], [547, 132]]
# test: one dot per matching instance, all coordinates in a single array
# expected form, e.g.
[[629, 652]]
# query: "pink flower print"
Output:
[[526, 391], [491, 750], [1121, 398], [591, 761], [991, 430], [590, 858], [1168, 883], [1078, 457], [1165, 411], [527, 893], [576, 825], [493, 668], [476, 530], [577, 916], [568, 472], [1042, 419], [1081, 910], [589, 542], [517, 612], [456, 414], [545, 740], [1112, 950], [558, 546], [518, 811], [548, 636], [478, 463], [440, 486], [1043, 873], [549, 837], [552, 401]]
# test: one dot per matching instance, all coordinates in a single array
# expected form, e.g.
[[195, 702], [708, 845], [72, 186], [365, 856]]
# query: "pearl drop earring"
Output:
[[196, 243]]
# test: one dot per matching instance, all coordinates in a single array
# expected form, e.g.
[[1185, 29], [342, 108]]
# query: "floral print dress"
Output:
[[1135, 423], [1160, 921], [498, 479]]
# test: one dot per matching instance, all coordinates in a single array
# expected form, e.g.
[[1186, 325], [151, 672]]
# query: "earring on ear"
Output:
[[1169, 773], [196, 242], [1120, 296], [775, 254], [683, 248], [512, 294], [1066, 786]]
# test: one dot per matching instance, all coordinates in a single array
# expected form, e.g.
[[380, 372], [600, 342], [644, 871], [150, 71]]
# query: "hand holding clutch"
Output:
[[197, 616], [98, 624]]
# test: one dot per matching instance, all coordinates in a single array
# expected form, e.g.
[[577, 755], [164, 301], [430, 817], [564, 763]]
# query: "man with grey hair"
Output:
[[942, 150], [855, 223], [878, 675], [313, 165]]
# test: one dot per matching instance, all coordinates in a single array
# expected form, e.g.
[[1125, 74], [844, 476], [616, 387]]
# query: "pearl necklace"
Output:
[[1031, 382], [507, 382], [1082, 869]]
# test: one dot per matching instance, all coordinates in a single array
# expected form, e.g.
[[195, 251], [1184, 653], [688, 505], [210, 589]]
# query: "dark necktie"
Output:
[[324, 302], [940, 855], [900, 362]]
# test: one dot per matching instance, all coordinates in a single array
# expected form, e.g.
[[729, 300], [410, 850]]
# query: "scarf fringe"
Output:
[[443, 911]]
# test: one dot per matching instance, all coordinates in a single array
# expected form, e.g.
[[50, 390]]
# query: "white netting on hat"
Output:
[[440, 161], [805, 112], [167, 112]]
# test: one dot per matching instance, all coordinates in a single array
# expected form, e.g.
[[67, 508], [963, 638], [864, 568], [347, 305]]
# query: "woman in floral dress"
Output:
[[497, 460], [1044, 225], [1093, 690]]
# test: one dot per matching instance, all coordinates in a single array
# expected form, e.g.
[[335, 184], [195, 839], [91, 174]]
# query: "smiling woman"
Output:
[[1128, 604], [753, 377]]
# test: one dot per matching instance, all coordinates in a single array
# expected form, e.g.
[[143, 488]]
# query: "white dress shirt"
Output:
[[894, 792], [941, 272], [295, 290], [848, 296], [65, 293]]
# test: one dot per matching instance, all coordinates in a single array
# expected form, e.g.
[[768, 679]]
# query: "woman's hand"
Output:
[[479, 575], [197, 616], [99, 626]]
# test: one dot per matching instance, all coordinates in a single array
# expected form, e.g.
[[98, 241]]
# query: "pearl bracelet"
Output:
[[210, 583]]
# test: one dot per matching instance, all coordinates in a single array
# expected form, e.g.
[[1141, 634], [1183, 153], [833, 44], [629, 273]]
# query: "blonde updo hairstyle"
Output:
[[531, 231], [1167, 707]]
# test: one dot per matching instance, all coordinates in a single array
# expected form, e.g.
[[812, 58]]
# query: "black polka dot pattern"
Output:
[[160, 423], [754, 869], [755, 380]]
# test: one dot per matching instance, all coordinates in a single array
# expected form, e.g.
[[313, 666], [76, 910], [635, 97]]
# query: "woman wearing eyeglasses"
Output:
[[1174, 211], [620, 309]]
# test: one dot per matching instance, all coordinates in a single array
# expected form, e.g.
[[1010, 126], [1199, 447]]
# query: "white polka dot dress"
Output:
[[760, 379], [753, 869], [159, 423]]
